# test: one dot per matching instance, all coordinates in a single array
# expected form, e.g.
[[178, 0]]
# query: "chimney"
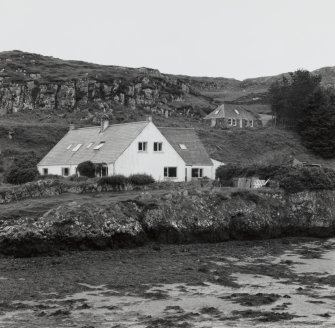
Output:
[[104, 125], [149, 118], [71, 127]]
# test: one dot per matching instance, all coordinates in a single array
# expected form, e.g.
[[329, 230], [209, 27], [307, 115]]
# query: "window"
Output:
[[158, 146], [65, 171], [251, 123], [197, 173], [234, 121], [69, 146], [99, 145], [217, 111], [45, 171], [229, 121], [236, 111], [89, 145], [76, 147], [245, 122], [170, 172], [142, 146], [182, 146]]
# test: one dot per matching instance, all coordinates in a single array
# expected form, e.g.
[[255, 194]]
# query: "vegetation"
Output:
[[291, 179], [23, 170], [141, 179], [116, 181], [86, 169], [301, 104]]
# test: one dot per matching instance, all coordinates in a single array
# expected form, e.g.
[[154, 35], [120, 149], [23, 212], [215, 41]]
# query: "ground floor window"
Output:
[[234, 122], [170, 172], [45, 171], [197, 173], [229, 121], [251, 123], [65, 171]]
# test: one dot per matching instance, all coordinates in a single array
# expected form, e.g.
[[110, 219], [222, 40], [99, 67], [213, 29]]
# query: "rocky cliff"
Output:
[[30, 81], [177, 217]]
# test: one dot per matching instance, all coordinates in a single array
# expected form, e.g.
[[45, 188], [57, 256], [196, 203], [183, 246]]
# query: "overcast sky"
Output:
[[229, 38]]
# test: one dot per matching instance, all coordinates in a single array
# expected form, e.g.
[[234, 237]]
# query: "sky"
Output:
[[228, 38]]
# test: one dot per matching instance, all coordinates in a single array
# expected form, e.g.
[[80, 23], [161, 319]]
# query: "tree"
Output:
[[289, 96], [86, 169], [317, 127]]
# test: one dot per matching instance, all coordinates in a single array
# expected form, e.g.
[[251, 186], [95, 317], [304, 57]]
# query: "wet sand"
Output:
[[269, 283]]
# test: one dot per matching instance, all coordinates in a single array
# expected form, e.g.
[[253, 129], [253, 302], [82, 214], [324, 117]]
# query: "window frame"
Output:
[[167, 172], [229, 121], [200, 173], [234, 122], [143, 148], [65, 169], [159, 146], [251, 123]]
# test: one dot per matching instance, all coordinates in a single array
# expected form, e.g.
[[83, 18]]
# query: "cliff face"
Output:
[[29, 82], [177, 217]]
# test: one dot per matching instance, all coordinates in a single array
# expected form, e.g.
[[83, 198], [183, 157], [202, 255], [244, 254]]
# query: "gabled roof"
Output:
[[117, 138], [195, 152], [231, 111]]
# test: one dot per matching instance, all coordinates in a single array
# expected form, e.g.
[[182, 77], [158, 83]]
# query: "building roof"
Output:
[[231, 111], [188, 145], [116, 138]]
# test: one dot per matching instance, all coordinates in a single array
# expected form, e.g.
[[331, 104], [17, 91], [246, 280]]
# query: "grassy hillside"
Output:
[[38, 133]]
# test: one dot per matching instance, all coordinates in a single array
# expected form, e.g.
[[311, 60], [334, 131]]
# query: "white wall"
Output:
[[57, 169], [132, 161]]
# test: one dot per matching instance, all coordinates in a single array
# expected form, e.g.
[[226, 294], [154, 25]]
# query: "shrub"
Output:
[[141, 179], [21, 175], [86, 169], [115, 181]]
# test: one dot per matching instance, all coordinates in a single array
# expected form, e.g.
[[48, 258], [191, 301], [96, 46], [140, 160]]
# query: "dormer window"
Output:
[[76, 147], [97, 147], [182, 146], [142, 146]]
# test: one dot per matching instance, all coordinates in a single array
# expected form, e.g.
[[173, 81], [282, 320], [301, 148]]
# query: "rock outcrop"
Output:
[[177, 217]]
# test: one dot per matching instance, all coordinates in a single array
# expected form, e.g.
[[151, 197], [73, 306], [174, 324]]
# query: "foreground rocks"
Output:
[[176, 217]]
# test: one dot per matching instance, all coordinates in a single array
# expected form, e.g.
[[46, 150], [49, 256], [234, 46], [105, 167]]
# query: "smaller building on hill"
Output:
[[168, 153], [232, 116]]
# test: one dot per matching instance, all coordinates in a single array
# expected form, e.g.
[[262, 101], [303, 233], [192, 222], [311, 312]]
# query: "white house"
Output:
[[140, 147]]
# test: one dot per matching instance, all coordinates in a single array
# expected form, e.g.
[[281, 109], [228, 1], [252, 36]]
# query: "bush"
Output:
[[141, 179], [115, 181], [86, 169], [21, 175]]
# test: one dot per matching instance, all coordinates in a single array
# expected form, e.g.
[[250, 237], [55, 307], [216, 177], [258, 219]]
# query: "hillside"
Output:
[[40, 96], [31, 81]]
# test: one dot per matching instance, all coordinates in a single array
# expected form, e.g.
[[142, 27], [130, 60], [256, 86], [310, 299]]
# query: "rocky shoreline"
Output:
[[182, 216]]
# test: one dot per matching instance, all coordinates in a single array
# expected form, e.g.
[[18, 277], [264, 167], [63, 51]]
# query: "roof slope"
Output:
[[117, 138], [195, 152], [231, 111]]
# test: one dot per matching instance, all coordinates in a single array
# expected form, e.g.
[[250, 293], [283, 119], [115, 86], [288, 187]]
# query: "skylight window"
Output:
[[69, 146], [182, 146], [89, 145], [99, 145], [76, 147], [217, 111], [237, 112]]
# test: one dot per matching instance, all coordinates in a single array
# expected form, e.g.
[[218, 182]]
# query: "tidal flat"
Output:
[[287, 282]]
